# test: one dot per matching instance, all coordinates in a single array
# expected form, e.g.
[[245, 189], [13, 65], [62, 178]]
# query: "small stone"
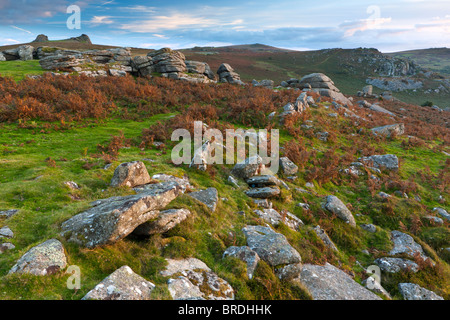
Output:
[[209, 197]]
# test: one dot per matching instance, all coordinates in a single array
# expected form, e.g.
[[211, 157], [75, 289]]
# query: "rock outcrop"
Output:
[[412, 291], [41, 38], [227, 74], [320, 83]]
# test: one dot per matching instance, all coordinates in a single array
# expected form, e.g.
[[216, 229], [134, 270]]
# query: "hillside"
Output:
[[436, 59], [66, 140]]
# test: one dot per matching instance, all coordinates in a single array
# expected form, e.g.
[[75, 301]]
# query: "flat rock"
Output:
[[388, 130], [113, 219], [272, 247], [250, 167], [165, 221], [394, 265], [412, 291], [330, 283], [43, 259], [405, 244], [130, 174], [6, 232], [122, 284], [336, 206], [385, 162], [263, 181], [192, 279], [245, 254], [263, 193], [209, 197]]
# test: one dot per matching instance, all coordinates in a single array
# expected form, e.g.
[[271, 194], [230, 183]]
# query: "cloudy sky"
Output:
[[389, 25]]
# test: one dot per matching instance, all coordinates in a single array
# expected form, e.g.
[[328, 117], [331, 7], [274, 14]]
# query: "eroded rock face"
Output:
[[192, 279], [323, 85], [412, 291], [43, 259], [245, 254], [227, 74], [271, 246], [330, 283], [122, 284], [336, 206], [209, 197], [165, 221], [113, 219], [130, 174]]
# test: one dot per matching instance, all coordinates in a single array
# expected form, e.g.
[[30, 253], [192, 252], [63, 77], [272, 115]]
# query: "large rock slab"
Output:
[[192, 279], [330, 283], [412, 291], [209, 197], [115, 218], [263, 181], [405, 244], [130, 174], [248, 168], [43, 259], [245, 254], [272, 247], [165, 221], [388, 130], [263, 193], [336, 206], [287, 166], [122, 284]]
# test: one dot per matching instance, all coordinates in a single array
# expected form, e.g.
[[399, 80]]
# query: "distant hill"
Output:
[[436, 59]]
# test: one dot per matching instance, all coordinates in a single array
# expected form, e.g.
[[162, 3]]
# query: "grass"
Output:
[[19, 69]]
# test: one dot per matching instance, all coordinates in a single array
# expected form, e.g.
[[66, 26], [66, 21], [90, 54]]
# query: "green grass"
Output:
[[18, 69]]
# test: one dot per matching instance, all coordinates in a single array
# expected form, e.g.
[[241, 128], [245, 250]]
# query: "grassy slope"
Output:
[[437, 59], [30, 184], [19, 69]]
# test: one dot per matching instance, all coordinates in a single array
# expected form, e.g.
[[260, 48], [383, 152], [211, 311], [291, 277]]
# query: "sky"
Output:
[[388, 25]]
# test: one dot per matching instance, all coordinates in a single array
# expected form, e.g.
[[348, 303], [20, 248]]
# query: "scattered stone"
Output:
[[130, 174], [209, 197], [369, 227], [443, 213], [114, 218], [245, 254], [193, 280], [263, 203], [305, 206], [263, 193], [336, 206], [122, 284], [6, 232], [384, 195], [388, 130], [44, 259], [8, 213], [329, 283], [309, 185], [377, 108], [394, 265], [165, 221], [72, 185], [274, 218], [435, 220], [325, 238], [233, 181], [412, 291], [272, 247], [387, 162], [6, 246], [287, 166]]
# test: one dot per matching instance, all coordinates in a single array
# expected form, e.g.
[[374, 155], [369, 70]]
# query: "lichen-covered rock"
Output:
[[130, 174], [388, 130], [44, 259], [263, 193], [287, 166], [262, 181], [336, 206], [165, 221], [245, 254], [272, 247], [275, 218], [114, 218], [394, 265], [330, 283], [386, 162], [8, 213], [192, 279], [6, 246], [209, 197], [412, 291], [122, 284], [6, 232], [405, 244]]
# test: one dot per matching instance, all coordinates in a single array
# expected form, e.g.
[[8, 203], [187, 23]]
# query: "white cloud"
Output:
[[98, 20]]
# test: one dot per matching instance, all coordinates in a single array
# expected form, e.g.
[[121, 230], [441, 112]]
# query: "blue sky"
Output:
[[389, 25]]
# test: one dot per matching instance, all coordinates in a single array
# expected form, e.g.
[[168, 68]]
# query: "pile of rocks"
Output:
[[227, 74], [25, 52]]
